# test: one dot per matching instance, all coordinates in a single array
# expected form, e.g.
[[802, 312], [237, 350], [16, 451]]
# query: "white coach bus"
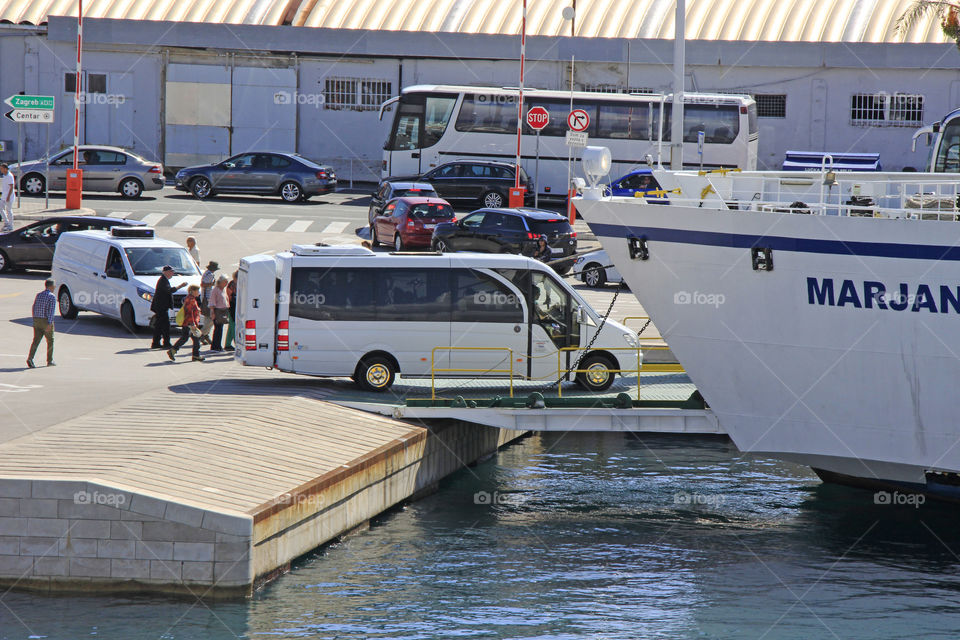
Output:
[[347, 311], [434, 124]]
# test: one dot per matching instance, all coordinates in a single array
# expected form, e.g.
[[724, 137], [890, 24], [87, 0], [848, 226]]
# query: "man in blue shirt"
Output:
[[44, 306]]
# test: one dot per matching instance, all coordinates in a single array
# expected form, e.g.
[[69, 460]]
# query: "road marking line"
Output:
[[299, 226], [153, 219], [262, 224], [120, 214], [225, 223], [188, 222], [335, 227], [11, 295]]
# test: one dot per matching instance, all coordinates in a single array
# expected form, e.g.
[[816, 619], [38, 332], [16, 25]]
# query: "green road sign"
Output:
[[30, 102]]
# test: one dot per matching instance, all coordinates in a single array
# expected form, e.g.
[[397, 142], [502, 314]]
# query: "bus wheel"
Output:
[[596, 373], [375, 374]]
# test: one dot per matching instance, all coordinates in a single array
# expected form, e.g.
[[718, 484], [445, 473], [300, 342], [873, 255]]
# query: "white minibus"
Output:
[[347, 311]]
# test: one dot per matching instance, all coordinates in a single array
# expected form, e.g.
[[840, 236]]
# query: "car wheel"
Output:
[[201, 188], [67, 310], [442, 246], [594, 275], [291, 192], [127, 317], [32, 184], [398, 243], [374, 238], [492, 199], [597, 375], [131, 188], [5, 264], [375, 374]]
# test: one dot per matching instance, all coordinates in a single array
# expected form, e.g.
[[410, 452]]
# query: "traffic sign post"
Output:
[[32, 110], [578, 120], [538, 118]]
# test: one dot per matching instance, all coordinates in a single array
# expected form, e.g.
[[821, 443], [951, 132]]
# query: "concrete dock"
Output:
[[209, 489]]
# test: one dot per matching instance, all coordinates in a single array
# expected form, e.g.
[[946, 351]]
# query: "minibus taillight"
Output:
[[283, 335], [250, 335]]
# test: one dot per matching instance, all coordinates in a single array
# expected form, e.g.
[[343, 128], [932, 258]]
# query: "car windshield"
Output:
[[549, 227], [416, 191], [149, 261], [431, 210]]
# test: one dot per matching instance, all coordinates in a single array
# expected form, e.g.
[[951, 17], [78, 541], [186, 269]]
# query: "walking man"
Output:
[[190, 330], [161, 305], [7, 187], [43, 307], [207, 281]]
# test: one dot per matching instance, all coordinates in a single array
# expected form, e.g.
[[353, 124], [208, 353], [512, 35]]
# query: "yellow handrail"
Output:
[[434, 370], [721, 171]]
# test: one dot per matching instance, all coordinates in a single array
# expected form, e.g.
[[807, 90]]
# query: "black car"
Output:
[[482, 181], [32, 246], [291, 176], [390, 189], [508, 231]]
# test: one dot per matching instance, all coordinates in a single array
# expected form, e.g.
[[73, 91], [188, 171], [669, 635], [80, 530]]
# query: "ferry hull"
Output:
[[820, 360]]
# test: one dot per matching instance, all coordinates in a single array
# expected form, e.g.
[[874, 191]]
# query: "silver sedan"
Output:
[[105, 169]]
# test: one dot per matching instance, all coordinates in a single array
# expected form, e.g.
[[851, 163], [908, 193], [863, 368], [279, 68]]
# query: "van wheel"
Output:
[[594, 276], [597, 375], [375, 374], [492, 199], [131, 188], [67, 309], [127, 317]]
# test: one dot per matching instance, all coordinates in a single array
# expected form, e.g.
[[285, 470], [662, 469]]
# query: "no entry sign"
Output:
[[538, 118]]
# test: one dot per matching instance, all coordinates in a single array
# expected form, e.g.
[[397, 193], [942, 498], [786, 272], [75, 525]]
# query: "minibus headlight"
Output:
[[146, 294], [631, 340]]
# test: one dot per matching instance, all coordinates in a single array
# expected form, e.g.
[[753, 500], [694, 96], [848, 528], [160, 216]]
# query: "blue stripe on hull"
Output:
[[780, 243]]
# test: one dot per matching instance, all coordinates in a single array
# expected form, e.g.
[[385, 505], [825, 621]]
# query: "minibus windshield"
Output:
[[149, 261]]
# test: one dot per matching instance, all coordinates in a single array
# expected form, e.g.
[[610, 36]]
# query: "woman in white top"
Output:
[[192, 249]]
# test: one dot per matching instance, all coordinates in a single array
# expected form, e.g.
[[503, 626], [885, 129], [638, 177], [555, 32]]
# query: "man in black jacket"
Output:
[[161, 305]]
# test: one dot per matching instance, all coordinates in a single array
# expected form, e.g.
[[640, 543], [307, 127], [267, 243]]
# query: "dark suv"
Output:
[[476, 181], [507, 231]]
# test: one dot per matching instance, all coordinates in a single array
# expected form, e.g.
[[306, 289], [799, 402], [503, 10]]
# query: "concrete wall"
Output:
[[818, 78]]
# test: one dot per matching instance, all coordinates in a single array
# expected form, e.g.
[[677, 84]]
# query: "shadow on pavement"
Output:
[[88, 326], [254, 386]]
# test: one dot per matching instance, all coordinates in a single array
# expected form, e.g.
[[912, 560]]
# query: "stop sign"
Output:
[[538, 118]]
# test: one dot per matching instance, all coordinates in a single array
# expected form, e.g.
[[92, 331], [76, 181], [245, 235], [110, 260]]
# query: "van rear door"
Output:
[[256, 311]]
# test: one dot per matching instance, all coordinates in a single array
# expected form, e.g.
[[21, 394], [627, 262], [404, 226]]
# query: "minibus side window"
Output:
[[479, 298], [318, 293], [413, 295]]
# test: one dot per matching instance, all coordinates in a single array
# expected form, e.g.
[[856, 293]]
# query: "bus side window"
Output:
[[479, 298]]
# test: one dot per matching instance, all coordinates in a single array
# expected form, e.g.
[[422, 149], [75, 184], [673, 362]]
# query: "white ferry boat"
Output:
[[817, 313]]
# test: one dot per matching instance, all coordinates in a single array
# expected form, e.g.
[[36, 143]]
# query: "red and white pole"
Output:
[[516, 195], [75, 177]]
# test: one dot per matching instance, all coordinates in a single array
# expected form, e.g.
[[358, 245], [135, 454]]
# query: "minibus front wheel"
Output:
[[596, 373], [375, 373]]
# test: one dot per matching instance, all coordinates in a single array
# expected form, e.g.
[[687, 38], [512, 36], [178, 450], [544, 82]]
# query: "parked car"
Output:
[[482, 181], [390, 189], [507, 231], [409, 222], [291, 176], [638, 181], [595, 269], [32, 246], [115, 273], [105, 169]]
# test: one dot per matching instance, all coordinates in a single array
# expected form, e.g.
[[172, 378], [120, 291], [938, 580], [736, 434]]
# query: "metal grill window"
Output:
[[358, 94], [882, 109], [771, 105]]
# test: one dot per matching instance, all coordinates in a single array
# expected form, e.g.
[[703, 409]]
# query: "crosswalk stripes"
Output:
[[225, 223], [335, 227], [153, 219], [120, 214], [188, 222], [262, 224], [299, 226]]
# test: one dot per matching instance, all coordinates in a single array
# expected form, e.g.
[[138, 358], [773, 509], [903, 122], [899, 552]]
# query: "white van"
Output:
[[347, 311], [115, 272]]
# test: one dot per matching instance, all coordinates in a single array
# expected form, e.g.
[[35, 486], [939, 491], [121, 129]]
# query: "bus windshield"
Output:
[[420, 121]]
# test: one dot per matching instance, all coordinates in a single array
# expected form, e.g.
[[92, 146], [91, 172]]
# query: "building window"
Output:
[[771, 105], [357, 94], [883, 109], [97, 83], [69, 83]]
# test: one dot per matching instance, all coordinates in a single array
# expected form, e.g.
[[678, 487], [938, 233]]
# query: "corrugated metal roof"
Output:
[[745, 20]]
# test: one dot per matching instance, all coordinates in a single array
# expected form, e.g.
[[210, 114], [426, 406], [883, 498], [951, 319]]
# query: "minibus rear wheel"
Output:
[[375, 373], [596, 373]]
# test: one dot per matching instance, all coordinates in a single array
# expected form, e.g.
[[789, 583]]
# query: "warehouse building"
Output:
[[188, 81]]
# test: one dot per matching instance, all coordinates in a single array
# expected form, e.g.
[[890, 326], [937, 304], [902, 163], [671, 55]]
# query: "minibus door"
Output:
[[554, 326]]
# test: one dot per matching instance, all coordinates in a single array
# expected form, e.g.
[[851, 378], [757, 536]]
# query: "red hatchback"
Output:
[[409, 222]]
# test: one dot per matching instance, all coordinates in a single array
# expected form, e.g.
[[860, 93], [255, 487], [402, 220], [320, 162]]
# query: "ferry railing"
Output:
[[434, 370]]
